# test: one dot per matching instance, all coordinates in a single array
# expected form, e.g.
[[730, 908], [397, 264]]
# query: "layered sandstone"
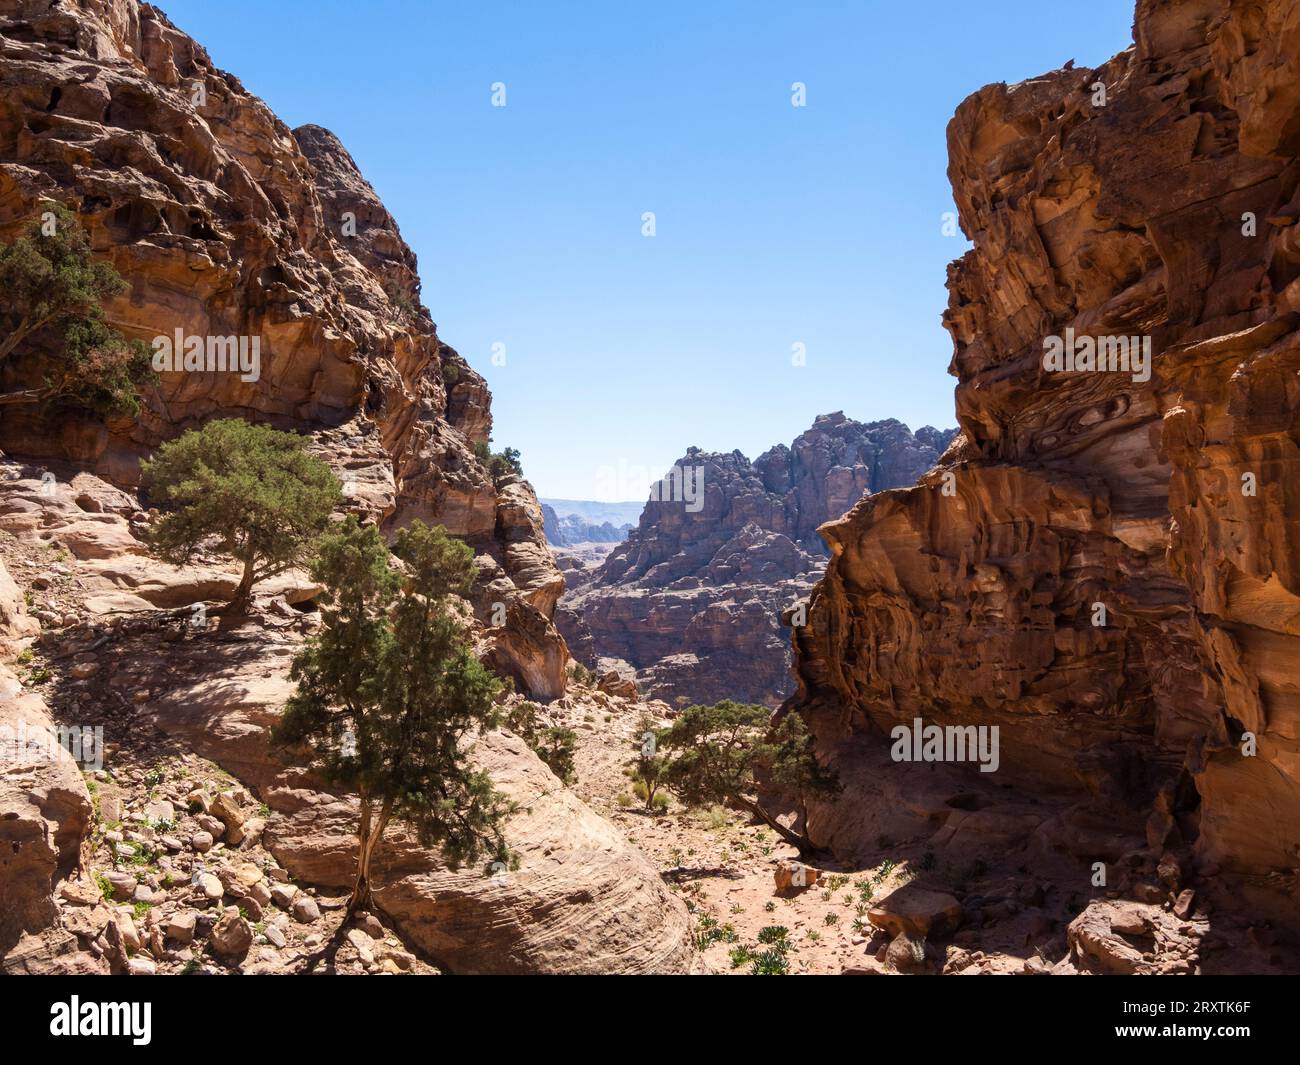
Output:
[[1169, 211], [227, 223], [159, 681], [691, 602]]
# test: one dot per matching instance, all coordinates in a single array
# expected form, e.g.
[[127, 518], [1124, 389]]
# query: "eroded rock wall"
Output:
[[227, 223], [1167, 211]]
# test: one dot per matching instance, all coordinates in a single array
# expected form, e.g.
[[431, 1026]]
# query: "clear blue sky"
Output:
[[775, 225]]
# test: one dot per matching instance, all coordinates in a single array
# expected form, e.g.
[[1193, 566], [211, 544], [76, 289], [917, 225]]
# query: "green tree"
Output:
[[649, 764], [52, 291], [499, 464], [388, 690], [716, 754], [245, 491], [553, 744]]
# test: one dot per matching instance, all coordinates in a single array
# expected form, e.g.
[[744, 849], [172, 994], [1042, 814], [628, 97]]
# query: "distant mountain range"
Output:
[[576, 521], [597, 512]]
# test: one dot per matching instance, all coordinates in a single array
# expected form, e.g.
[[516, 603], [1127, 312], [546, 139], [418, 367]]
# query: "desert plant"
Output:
[[249, 492], [388, 690], [52, 292], [716, 754]]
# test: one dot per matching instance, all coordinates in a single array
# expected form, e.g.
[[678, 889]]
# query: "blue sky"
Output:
[[775, 225]]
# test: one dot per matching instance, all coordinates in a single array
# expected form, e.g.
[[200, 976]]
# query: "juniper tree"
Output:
[[647, 768], [52, 293], [249, 492], [389, 689], [717, 754]]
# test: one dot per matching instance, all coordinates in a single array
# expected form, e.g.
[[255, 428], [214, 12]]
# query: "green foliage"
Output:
[[389, 688], [582, 674], [709, 931], [552, 744], [501, 463], [647, 768], [249, 492], [716, 754], [52, 291]]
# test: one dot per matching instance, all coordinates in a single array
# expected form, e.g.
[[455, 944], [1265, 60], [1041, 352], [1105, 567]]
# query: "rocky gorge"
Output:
[[1095, 571], [690, 604]]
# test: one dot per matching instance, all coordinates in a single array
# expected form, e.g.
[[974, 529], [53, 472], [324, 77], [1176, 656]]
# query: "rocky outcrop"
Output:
[[1105, 565], [45, 811], [692, 601], [580, 900], [226, 223]]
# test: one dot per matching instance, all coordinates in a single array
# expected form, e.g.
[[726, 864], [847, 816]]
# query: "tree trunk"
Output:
[[243, 593], [802, 843], [361, 889], [369, 837]]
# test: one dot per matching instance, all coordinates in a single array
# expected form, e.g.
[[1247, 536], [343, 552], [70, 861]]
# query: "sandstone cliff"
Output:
[[692, 600], [227, 223], [1166, 209]]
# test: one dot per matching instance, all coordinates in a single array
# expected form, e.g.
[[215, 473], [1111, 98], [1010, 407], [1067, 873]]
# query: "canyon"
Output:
[[690, 604], [1098, 571]]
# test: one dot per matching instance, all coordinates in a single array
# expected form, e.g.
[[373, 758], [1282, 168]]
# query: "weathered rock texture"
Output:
[[692, 600], [581, 900], [1069, 489], [227, 223], [44, 812]]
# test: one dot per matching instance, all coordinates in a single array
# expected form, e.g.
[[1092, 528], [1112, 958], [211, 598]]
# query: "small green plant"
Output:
[[775, 935], [712, 817], [741, 955], [105, 888], [831, 919], [709, 931], [770, 962], [769, 906]]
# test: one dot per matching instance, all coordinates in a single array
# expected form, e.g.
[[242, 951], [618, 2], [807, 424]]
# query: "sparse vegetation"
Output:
[[714, 754]]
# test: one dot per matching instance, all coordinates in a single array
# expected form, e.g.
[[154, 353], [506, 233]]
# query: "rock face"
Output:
[[227, 223], [44, 812], [1107, 567], [692, 601]]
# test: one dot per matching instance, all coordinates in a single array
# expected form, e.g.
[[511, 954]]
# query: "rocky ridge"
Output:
[[691, 602]]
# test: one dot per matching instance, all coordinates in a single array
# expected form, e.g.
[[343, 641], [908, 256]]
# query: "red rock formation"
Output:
[[970, 598], [225, 222], [692, 600]]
